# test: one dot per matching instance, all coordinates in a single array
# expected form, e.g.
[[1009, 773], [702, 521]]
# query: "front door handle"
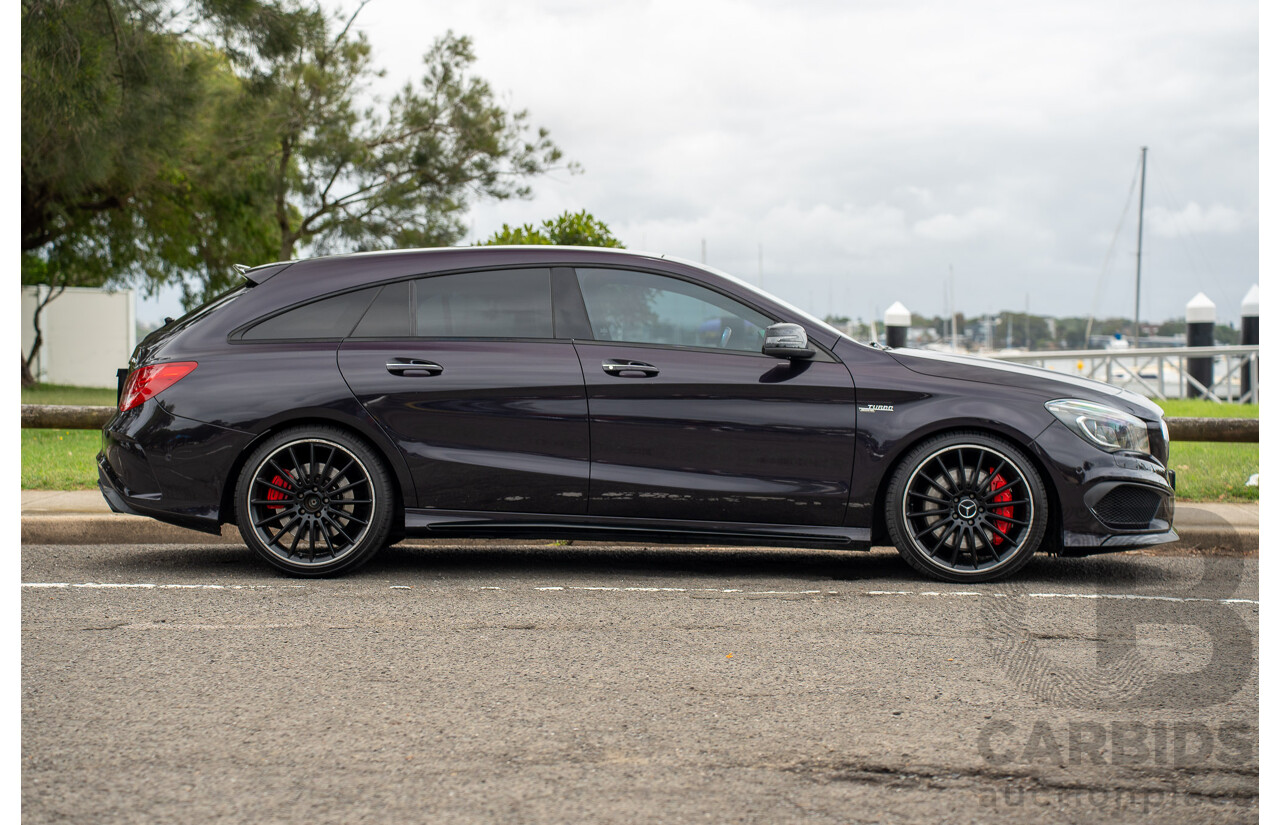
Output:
[[413, 366], [616, 366]]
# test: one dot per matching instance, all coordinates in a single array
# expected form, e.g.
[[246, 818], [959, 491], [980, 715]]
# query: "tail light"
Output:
[[150, 381]]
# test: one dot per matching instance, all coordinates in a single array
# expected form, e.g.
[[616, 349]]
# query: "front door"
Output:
[[690, 421]]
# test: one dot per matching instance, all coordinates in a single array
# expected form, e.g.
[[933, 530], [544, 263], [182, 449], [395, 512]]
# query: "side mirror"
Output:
[[786, 341]]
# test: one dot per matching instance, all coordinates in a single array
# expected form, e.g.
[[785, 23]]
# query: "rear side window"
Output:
[[327, 318], [509, 303]]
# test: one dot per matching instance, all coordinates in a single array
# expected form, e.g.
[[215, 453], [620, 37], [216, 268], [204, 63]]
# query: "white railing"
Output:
[[1157, 372]]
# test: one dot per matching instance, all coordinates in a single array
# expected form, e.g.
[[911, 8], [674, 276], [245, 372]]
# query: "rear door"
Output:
[[465, 373], [690, 421]]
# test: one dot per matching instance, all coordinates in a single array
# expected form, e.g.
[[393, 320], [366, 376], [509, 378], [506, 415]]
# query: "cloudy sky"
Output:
[[870, 147]]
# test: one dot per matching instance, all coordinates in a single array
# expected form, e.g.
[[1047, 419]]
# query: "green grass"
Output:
[[1179, 408], [64, 459], [1209, 471], [60, 459], [1214, 472], [76, 396]]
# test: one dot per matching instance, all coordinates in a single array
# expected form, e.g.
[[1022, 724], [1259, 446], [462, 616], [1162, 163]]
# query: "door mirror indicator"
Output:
[[786, 341]]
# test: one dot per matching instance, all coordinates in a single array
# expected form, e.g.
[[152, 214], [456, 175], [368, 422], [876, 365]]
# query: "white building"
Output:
[[88, 334]]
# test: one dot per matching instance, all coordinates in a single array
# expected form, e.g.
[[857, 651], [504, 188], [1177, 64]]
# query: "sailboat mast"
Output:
[[1137, 283]]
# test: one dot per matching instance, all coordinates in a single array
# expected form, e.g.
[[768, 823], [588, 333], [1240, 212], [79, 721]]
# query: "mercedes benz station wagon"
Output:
[[330, 407]]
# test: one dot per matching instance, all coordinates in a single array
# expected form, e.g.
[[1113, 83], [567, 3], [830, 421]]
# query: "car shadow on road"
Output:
[[641, 560], [880, 565], [405, 562]]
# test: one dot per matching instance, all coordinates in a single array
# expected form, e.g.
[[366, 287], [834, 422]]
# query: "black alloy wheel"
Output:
[[314, 501], [966, 507]]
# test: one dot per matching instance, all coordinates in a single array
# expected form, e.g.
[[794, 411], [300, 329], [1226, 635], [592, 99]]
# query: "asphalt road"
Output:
[[541, 683]]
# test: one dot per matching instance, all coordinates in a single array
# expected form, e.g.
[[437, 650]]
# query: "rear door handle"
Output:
[[617, 366], [413, 366]]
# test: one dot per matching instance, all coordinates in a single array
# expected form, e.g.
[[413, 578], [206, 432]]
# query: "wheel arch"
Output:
[[372, 438], [880, 528]]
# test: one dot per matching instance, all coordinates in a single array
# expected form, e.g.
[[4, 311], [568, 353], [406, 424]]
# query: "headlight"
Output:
[[1102, 426]]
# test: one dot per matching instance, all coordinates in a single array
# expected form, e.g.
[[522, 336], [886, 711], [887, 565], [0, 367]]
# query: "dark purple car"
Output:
[[331, 406]]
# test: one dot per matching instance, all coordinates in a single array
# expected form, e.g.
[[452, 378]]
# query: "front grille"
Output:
[[1128, 507]]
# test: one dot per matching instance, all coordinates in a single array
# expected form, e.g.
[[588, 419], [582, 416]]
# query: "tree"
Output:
[[566, 229], [215, 211], [134, 168], [399, 173], [114, 106], [163, 142]]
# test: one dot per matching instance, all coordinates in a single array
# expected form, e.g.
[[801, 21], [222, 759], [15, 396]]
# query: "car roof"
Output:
[[283, 284], [356, 267], [393, 262], [504, 251]]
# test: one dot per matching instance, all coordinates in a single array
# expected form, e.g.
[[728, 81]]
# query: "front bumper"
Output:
[[1109, 501]]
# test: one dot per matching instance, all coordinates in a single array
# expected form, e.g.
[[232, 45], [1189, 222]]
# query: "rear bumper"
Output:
[[151, 506], [166, 467], [110, 492]]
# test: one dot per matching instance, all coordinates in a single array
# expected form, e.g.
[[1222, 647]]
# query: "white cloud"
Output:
[[1192, 219], [879, 142], [948, 227]]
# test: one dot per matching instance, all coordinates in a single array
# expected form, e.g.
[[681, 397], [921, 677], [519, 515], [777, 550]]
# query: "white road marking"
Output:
[[617, 589], [601, 588], [1138, 597], [924, 593], [152, 586]]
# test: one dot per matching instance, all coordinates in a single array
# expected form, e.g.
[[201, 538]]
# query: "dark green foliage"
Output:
[[163, 142], [135, 165], [567, 229], [397, 173]]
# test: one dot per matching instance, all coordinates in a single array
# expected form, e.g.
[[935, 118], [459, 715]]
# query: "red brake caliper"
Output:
[[997, 481], [275, 495]]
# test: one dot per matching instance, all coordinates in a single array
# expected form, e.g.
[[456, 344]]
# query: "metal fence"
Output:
[[1157, 372]]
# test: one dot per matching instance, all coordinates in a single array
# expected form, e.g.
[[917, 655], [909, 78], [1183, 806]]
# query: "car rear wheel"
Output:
[[966, 507], [314, 501]]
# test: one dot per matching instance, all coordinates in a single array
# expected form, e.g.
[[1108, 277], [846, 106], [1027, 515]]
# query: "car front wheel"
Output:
[[314, 501], [966, 507]]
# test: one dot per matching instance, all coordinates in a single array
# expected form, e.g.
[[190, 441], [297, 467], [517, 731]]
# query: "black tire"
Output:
[[314, 501], [966, 507]]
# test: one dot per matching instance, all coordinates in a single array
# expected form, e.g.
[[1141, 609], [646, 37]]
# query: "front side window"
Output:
[[644, 308], [510, 303]]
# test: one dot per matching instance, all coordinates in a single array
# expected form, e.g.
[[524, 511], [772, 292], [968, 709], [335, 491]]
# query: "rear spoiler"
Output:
[[260, 274]]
